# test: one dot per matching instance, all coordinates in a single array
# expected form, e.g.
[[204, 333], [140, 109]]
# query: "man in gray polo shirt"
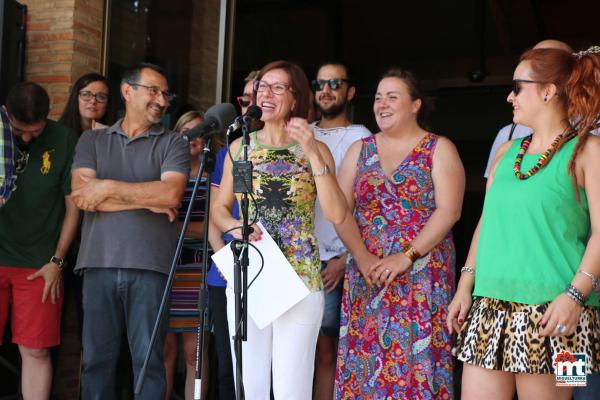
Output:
[[129, 179]]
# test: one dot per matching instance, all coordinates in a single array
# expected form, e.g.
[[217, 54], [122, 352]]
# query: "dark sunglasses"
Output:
[[244, 101], [517, 85], [334, 84]]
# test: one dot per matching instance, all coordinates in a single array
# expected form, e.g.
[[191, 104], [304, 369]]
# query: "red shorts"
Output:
[[34, 324]]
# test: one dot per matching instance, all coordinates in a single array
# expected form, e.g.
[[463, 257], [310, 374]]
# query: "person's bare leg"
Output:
[[481, 383], [36, 373], [170, 358], [189, 348], [325, 360], [541, 386]]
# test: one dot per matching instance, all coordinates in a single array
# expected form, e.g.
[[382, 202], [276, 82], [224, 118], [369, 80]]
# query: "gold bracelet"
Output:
[[412, 253]]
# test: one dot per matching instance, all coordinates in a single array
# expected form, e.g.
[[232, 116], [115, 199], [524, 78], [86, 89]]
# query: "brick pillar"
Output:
[[204, 46], [64, 41]]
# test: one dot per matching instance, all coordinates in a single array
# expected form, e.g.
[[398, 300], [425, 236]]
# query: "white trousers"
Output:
[[286, 347]]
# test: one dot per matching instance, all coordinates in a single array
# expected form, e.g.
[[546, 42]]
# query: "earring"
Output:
[[545, 99]]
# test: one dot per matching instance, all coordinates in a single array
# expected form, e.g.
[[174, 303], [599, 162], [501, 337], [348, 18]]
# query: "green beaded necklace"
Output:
[[544, 158]]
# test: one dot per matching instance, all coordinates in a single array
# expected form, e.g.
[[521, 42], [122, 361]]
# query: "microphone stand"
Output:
[[242, 184], [206, 163], [209, 166]]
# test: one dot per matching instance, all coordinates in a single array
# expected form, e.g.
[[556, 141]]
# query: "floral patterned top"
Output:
[[285, 194]]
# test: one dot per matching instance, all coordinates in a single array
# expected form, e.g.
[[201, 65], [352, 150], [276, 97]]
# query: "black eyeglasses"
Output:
[[100, 97], [21, 161], [516, 85], [276, 88], [244, 101], [155, 91], [334, 84]]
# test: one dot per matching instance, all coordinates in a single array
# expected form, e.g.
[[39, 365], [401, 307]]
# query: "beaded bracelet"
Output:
[[595, 281], [576, 295], [412, 253], [468, 269]]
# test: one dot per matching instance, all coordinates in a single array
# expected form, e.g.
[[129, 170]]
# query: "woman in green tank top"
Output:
[[525, 304]]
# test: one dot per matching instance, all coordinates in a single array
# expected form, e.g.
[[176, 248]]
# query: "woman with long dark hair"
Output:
[[88, 103]]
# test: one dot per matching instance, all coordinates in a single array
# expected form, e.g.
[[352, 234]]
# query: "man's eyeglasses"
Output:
[[100, 97], [155, 91], [517, 85], [21, 161], [276, 88], [334, 84], [244, 101]]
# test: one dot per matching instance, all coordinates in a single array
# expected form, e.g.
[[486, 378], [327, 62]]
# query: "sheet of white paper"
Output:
[[278, 287]]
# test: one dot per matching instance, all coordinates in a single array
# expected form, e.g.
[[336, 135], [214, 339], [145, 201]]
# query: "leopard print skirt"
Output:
[[505, 336]]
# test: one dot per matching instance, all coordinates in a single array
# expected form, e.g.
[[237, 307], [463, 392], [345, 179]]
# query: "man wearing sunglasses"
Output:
[[333, 91], [37, 226], [129, 179], [517, 131]]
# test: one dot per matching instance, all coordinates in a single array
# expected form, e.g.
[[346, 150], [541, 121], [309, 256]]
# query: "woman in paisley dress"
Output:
[[406, 187], [291, 169]]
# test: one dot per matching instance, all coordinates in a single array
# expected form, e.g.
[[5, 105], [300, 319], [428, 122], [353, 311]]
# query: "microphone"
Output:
[[216, 119], [253, 113]]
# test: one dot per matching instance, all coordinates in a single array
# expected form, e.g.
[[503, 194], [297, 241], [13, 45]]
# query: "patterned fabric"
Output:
[[183, 308], [285, 194], [393, 341], [7, 161], [191, 252], [503, 335]]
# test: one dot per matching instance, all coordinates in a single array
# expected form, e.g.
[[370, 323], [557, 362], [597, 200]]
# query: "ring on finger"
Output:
[[388, 271], [562, 329]]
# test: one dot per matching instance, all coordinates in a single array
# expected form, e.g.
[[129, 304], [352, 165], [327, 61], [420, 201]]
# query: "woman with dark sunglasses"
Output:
[[525, 308]]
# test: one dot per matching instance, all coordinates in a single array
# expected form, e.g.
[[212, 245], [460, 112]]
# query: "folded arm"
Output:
[[92, 194]]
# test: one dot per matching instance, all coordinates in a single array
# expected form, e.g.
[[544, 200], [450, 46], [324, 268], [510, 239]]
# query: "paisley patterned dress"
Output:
[[393, 341]]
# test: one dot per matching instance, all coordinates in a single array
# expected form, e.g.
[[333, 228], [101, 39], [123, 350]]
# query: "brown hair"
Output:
[[576, 78], [298, 84], [415, 91]]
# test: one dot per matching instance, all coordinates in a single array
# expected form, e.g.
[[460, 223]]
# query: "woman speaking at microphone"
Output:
[[291, 169]]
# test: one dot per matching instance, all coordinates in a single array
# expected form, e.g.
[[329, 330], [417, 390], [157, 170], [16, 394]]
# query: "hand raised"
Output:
[[300, 131]]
